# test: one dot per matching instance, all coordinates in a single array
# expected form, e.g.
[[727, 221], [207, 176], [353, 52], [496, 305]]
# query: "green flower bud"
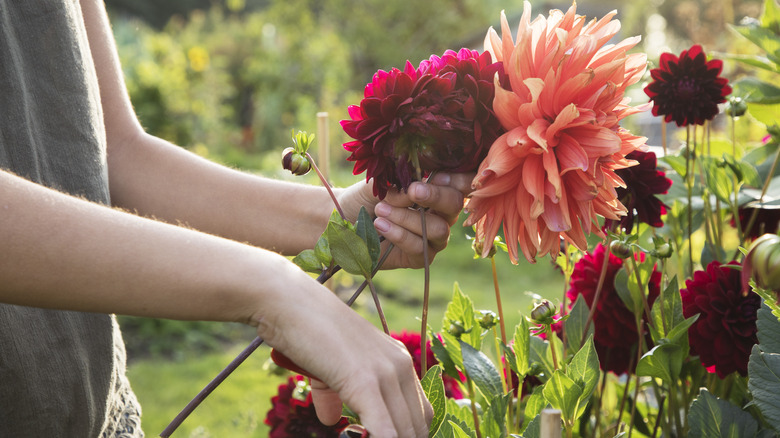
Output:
[[479, 246], [456, 329], [620, 249], [662, 250], [736, 107], [543, 313], [489, 319], [294, 162], [764, 256]]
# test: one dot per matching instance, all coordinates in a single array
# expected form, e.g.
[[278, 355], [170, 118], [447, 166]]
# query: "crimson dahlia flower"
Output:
[[688, 88], [292, 413], [615, 331], [552, 174], [767, 221], [726, 329], [643, 182], [412, 342], [438, 115]]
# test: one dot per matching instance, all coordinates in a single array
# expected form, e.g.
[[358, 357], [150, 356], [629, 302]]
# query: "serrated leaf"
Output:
[[768, 330], [364, 227], [563, 393], [522, 347], [457, 432], [585, 372], [574, 326], [481, 371], [539, 352], [443, 356], [534, 429], [764, 384], [348, 250], [711, 417], [494, 419], [433, 387], [308, 261], [460, 309]]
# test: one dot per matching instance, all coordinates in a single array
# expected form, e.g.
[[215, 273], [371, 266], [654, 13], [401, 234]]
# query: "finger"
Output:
[[437, 229], [409, 240], [327, 403], [458, 181]]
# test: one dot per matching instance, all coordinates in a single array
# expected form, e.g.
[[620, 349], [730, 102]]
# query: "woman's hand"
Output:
[[399, 221]]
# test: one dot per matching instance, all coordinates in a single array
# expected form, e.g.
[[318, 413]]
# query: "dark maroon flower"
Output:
[[292, 413], [767, 220], [412, 342], [615, 331], [643, 182], [439, 114], [687, 89], [725, 332]]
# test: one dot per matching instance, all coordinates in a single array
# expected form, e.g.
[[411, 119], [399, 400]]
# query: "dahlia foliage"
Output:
[[553, 173], [436, 117]]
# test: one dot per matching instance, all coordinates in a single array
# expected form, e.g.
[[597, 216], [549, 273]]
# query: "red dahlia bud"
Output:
[[294, 162]]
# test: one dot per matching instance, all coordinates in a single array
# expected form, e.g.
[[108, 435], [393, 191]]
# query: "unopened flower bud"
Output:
[[488, 320], [764, 257], [456, 329], [543, 313], [620, 249], [736, 107], [294, 162], [479, 247], [662, 250]]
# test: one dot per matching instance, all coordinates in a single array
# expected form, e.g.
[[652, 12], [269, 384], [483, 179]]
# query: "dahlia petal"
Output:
[[534, 183], [571, 155], [505, 105]]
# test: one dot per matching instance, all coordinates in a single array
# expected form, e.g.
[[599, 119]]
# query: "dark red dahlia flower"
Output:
[[615, 331], [643, 182], [767, 220], [438, 115], [687, 89], [725, 332], [292, 413], [412, 342]]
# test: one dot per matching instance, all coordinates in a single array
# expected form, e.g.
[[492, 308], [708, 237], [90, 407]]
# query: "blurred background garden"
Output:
[[230, 79]]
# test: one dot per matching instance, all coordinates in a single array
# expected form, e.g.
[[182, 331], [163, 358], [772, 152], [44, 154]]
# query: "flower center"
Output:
[[686, 88]]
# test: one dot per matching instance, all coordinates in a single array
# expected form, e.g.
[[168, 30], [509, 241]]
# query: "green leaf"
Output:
[[457, 432], [711, 417], [574, 326], [624, 291], [522, 347], [718, 180], [757, 91], [676, 162], [481, 370], [679, 334], [764, 384], [534, 429], [763, 38], [461, 310], [494, 419], [364, 227], [768, 330], [667, 310], [662, 361], [585, 372], [539, 352], [443, 356], [764, 113], [534, 406], [308, 261], [563, 394], [322, 250], [348, 250], [433, 386]]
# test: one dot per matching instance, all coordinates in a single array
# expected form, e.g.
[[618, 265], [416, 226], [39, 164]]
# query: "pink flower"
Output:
[[411, 341], [552, 174], [439, 115]]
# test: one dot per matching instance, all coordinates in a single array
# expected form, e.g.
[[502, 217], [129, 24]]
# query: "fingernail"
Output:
[[381, 224], [383, 209], [421, 191]]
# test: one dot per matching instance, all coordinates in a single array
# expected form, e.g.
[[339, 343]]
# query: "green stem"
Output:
[[597, 295], [689, 187], [427, 275], [551, 339], [379, 309], [498, 300], [327, 186], [473, 403]]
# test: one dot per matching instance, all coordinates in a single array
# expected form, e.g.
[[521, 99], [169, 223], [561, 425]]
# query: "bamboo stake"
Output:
[[551, 424]]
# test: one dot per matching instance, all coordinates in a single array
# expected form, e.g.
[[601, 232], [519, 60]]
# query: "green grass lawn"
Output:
[[238, 406]]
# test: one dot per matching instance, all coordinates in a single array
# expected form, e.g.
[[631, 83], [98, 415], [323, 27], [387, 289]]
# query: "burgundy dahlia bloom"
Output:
[[615, 331], [767, 220], [687, 89], [439, 114], [292, 413], [412, 342], [726, 330], [643, 182]]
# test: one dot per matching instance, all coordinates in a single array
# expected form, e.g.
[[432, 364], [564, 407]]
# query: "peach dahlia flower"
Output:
[[553, 172]]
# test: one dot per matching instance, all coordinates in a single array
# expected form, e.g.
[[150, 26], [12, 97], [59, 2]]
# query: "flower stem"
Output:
[[327, 186], [378, 306], [472, 395], [498, 300], [597, 295], [689, 187], [549, 332]]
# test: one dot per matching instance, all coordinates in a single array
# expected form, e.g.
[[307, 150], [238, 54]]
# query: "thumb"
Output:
[[327, 403]]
